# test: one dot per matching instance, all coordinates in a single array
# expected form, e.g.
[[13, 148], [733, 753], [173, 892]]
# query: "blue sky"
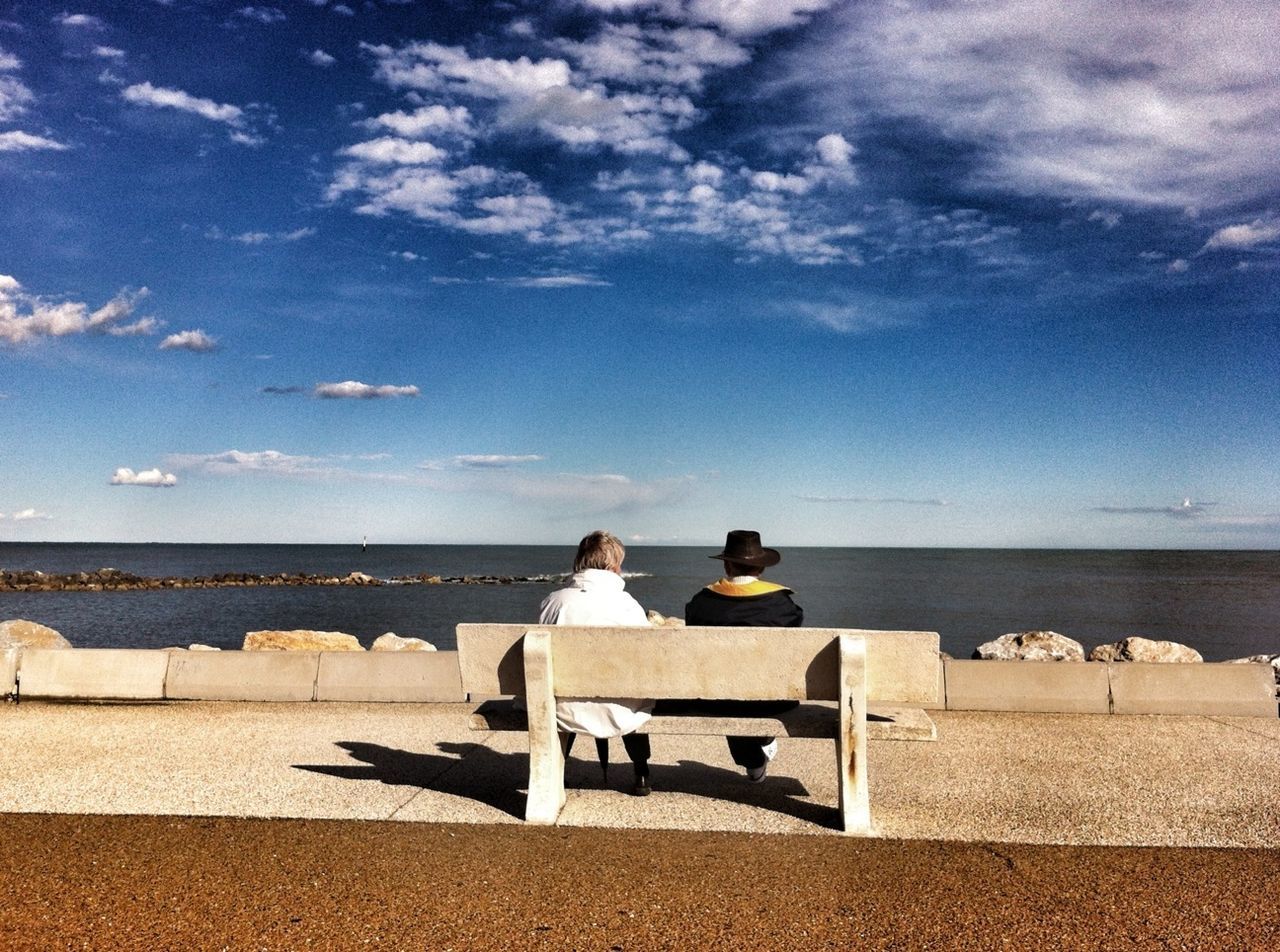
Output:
[[860, 273]]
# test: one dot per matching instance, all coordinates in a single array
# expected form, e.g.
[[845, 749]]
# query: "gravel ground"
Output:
[[161, 882]]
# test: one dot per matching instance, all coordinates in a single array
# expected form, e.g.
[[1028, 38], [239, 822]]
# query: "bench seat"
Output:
[[814, 719]]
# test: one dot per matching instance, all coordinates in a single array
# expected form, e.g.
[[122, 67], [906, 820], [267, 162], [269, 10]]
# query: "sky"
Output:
[[878, 273]]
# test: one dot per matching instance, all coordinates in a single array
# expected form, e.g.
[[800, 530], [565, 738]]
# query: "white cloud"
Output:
[[108, 52], [1178, 266], [14, 98], [1167, 105], [745, 18], [1187, 509], [389, 150], [8, 60], [236, 462], [19, 141], [260, 237], [494, 461], [160, 97], [1244, 235], [320, 58], [841, 318], [31, 515], [275, 464], [80, 20], [547, 281], [435, 118], [196, 341], [152, 478], [25, 317], [267, 15], [355, 390]]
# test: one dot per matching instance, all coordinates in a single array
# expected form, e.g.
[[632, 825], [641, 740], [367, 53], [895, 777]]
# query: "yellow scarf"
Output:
[[758, 587]]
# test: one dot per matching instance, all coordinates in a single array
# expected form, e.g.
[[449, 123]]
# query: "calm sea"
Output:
[[1226, 604]]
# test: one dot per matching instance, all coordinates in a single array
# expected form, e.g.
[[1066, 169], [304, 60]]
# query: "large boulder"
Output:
[[1137, 648], [1031, 646], [300, 639], [20, 633], [393, 642]]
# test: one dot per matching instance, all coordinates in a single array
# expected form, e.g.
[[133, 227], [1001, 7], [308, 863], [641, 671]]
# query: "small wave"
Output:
[[637, 575]]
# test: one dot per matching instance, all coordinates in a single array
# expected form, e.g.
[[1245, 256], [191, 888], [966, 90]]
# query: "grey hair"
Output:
[[599, 550]]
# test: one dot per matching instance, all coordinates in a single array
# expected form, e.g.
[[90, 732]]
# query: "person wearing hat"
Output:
[[743, 598]]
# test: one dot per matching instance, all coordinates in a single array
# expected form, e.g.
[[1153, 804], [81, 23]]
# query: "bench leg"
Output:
[[851, 744], [546, 761]]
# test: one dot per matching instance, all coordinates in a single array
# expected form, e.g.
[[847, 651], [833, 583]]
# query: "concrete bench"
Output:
[[811, 665]]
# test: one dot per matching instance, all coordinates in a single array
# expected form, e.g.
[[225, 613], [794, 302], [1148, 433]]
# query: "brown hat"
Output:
[[743, 547]]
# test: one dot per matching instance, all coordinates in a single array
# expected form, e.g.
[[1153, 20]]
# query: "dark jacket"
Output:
[[762, 605]]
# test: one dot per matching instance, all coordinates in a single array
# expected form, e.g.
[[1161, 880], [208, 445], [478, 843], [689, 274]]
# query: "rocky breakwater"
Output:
[[1137, 648], [114, 580], [1031, 646]]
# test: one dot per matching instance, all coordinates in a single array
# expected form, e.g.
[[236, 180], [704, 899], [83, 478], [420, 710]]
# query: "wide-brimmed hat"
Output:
[[743, 547]]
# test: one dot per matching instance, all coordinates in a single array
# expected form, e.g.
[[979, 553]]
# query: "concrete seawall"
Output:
[[124, 674]]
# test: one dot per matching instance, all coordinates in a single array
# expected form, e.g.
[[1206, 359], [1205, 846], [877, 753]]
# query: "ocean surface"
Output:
[[1225, 604]]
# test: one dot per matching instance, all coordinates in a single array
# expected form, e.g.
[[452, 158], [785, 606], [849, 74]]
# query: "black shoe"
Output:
[[642, 788], [756, 774]]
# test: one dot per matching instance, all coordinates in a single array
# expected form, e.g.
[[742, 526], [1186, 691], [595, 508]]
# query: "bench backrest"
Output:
[[694, 662]]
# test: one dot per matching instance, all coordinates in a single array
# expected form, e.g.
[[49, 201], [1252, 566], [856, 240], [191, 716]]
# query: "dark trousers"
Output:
[[636, 746], [747, 752]]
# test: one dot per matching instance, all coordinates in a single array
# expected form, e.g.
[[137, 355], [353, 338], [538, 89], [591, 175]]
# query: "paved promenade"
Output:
[[404, 831]]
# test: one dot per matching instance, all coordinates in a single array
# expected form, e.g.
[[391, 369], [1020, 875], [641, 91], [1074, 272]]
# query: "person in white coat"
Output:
[[596, 595]]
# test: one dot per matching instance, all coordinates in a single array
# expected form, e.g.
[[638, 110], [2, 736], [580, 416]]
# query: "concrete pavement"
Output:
[[1024, 778]]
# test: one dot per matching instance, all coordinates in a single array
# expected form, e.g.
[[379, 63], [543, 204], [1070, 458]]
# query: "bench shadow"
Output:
[[778, 793], [406, 768], [507, 774]]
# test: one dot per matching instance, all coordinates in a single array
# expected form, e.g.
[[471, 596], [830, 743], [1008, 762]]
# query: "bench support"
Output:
[[546, 760], [851, 742]]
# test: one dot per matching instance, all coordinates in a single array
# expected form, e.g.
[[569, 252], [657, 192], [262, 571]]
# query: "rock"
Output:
[[20, 633], [659, 620], [393, 642], [1137, 648], [202, 648], [300, 639], [1031, 646], [359, 578]]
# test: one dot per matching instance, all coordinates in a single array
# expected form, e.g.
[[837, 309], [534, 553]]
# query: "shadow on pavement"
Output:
[[508, 773]]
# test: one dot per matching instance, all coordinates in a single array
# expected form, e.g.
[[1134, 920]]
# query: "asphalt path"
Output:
[[161, 882]]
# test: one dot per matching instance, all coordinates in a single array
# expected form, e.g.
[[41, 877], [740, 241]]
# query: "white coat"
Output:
[[596, 597]]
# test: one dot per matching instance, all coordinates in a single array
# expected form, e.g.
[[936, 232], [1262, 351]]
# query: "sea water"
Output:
[[1224, 603]]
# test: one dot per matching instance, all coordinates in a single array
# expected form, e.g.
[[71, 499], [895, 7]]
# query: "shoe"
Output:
[[641, 788], [756, 774]]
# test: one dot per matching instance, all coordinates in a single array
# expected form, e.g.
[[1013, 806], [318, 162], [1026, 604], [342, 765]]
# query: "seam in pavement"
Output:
[[1247, 730], [422, 787]]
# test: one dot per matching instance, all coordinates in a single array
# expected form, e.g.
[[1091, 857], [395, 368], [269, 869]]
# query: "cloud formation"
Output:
[[25, 318], [160, 97], [1167, 105], [355, 390], [1185, 510], [196, 341], [150, 478], [16, 140], [31, 515]]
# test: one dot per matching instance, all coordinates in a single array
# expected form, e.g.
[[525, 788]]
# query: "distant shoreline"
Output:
[[113, 580]]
